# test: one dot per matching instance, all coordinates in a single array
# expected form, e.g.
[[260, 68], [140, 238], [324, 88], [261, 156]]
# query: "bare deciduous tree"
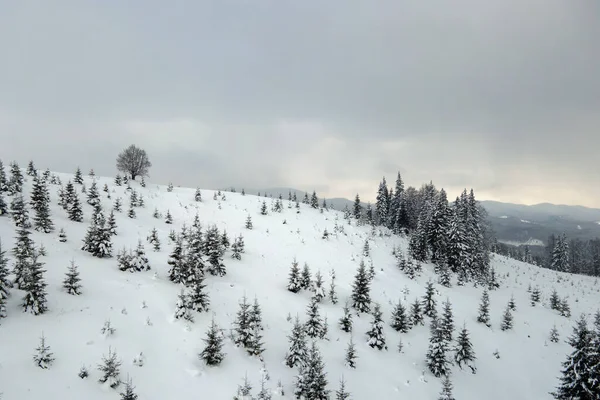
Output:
[[134, 162]]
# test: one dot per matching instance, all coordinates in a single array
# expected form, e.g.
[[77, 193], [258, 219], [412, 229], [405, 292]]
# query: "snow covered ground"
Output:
[[528, 366]]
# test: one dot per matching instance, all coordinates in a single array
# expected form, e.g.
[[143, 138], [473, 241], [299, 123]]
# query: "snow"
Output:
[[525, 221], [503, 216], [527, 368], [579, 227]]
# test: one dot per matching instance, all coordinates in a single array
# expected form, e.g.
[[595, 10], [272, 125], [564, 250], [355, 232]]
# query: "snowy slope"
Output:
[[527, 369]]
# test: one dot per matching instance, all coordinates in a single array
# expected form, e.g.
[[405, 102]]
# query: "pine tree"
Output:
[[78, 176], [484, 309], [446, 393], [577, 374], [507, 320], [43, 358], [463, 352], [366, 249], [168, 218], [535, 296], [361, 299], [350, 360], [129, 394], [416, 314], [332, 292], [447, 321], [437, 361], [369, 214], [345, 321], [176, 261], [97, 240], [154, 240], [170, 187], [71, 283], [242, 325], [375, 334], [511, 303], [3, 205], [400, 322], [131, 212], [249, 222], [357, 210], [305, 279], [225, 241], [118, 205], [265, 393], [112, 224], [15, 184], [341, 393], [198, 298], [318, 287], [429, 302], [255, 347], [3, 180], [31, 170], [5, 283], [294, 283], [554, 300], [554, 336], [314, 324], [24, 253], [382, 203], [35, 289], [244, 392], [139, 261], [565, 310], [560, 255], [183, 307], [315, 376], [212, 248], [263, 208], [213, 352], [110, 369], [93, 197], [74, 210], [297, 355], [62, 235], [118, 180], [124, 260], [314, 200], [19, 212]]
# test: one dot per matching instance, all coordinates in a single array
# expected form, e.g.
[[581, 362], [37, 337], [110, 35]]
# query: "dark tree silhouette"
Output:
[[134, 162]]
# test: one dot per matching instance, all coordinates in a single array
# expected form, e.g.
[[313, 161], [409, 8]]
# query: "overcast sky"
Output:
[[499, 95]]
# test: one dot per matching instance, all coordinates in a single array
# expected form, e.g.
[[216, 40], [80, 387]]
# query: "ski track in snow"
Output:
[[528, 367]]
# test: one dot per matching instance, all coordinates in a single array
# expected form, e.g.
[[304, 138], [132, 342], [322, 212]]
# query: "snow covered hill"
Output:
[[520, 363]]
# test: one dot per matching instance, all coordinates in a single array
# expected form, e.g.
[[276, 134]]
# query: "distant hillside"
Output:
[[518, 223]]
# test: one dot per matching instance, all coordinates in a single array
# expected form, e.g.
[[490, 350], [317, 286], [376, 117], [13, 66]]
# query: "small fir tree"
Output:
[[298, 353], [112, 224], [128, 393], [416, 314], [554, 335], [43, 357], [183, 307], [429, 302], [154, 240], [249, 222], [507, 320], [447, 321], [118, 180], [78, 177], [332, 292], [118, 205], [263, 208], [342, 393], [110, 368], [62, 235], [318, 287], [294, 282], [198, 298], [213, 354], [446, 393], [361, 299], [170, 187], [345, 321], [400, 322], [168, 218], [350, 360], [375, 334], [314, 324], [35, 289], [71, 283], [31, 171], [463, 351], [484, 309], [512, 304], [315, 376], [565, 310], [198, 195], [554, 300], [437, 361], [535, 296], [306, 277], [19, 212]]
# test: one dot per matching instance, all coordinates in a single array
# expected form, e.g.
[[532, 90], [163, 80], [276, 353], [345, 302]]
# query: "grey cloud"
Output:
[[493, 95]]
